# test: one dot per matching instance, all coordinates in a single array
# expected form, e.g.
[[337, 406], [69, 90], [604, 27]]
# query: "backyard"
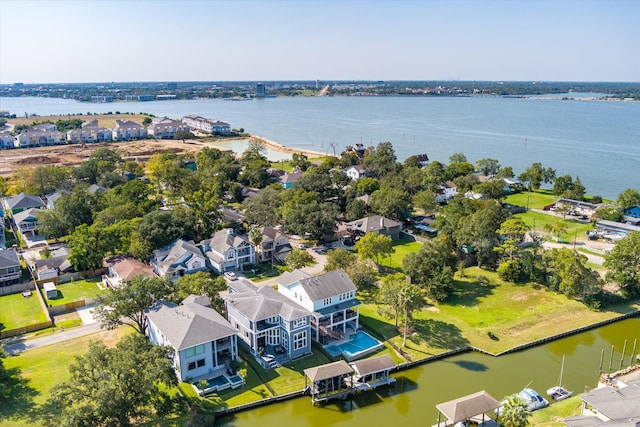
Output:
[[401, 248], [75, 291], [17, 311]]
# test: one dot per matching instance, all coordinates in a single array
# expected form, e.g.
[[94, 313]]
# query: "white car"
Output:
[[301, 246], [230, 275]]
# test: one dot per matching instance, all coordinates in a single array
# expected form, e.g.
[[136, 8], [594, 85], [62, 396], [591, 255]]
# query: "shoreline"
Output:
[[276, 146]]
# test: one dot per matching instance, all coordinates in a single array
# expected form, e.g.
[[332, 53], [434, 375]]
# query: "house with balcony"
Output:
[[39, 138], [203, 341], [7, 140], [274, 246], [166, 128], [21, 202], [178, 258], [207, 125], [10, 268], [122, 268], [226, 251], [330, 297], [127, 130], [274, 328], [90, 132], [27, 222]]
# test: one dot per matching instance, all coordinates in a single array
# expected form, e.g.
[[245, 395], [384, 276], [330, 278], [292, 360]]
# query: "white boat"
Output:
[[533, 399], [558, 392]]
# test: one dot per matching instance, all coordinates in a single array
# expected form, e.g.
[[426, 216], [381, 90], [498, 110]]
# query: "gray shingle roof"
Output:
[[28, 214], [330, 370], [265, 302], [9, 258], [172, 254], [374, 364], [189, 324], [468, 406], [24, 201], [615, 403], [327, 285], [225, 239], [373, 223]]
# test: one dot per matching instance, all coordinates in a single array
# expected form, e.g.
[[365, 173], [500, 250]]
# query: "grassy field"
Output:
[[17, 311], [478, 315], [537, 221], [536, 199], [77, 290], [104, 120], [401, 248], [40, 369]]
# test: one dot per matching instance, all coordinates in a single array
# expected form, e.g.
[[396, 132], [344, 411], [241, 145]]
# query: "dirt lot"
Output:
[[69, 155]]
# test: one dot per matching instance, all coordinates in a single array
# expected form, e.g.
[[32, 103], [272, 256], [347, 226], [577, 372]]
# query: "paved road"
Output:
[[595, 259], [69, 334]]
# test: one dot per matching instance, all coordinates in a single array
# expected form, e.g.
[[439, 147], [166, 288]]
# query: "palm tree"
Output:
[[515, 412], [255, 236]]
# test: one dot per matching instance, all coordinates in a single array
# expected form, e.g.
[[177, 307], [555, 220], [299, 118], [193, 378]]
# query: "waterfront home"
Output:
[[376, 224], [90, 132], [273, 328], [226, 251], [632, 212], [122, 268], [274, 245], [27, 222], [127, 130], [330, 297], [10, 268], [612, 230], [448, 192], [166, 128], [423, 160], [178, 258], [38, 138], [203, 341], [22, 202], [7, 140], [578, 207], [207, 125], [609, 406]]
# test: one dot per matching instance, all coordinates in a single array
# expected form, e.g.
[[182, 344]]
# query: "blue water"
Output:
[[217, 381], [599, 141], [360, 343]]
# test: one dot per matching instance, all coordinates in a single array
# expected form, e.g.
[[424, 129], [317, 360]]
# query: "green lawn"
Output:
[[537, 199], [493, 317], [537, 221], [40, 369], [17, 311], [401, 248], [77, 290]]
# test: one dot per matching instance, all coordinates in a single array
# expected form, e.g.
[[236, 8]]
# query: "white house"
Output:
[[178, 258], [207, 125], [203, 341], [27, 222], [356, 172], [330, 297], [37, 138], [165, 128], [7, 140], [127, 130], [89, 132], [449, 191], [226, 251]]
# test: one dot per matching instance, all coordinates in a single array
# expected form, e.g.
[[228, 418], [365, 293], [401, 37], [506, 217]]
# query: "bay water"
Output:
[[599, 141]]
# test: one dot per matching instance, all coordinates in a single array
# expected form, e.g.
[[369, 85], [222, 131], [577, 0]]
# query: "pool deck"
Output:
[[348, 355]]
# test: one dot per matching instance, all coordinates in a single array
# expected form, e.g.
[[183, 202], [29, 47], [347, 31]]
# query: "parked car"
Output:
[[230, 275]]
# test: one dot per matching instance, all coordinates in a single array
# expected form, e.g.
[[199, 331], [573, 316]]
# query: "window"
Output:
[[190, 352], [300, 340], [200, 363], [300, 322], [327, 301], [193, 365]]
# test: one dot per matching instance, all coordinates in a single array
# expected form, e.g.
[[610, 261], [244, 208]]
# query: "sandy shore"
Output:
[[284, 149]]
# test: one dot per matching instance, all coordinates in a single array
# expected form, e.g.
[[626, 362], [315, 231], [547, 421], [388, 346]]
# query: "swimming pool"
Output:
[[358, 345]]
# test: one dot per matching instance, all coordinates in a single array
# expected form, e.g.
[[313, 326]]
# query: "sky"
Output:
[[52, 41]]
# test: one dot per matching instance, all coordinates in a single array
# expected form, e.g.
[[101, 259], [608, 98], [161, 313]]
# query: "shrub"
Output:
[[510, 270]]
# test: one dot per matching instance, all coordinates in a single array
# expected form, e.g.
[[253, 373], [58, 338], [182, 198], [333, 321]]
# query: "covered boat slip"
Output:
[[472, 407], [338, 380]]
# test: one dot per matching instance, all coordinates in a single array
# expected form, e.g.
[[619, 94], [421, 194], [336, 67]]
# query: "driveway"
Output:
[[22, 344]]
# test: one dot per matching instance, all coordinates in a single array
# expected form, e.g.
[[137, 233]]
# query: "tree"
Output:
[[535, 175], [184, 135], [339, 259], [367, 185], [510, 270], [390, 202], [629, 198], [159, 228], [299, 258], [562, 184], [457, 158], [488, 166], [410, 301], [300, 161], [372, 245], [425, 200], [112, 387], [623, 264], [556, 228], [569, 273], [200, 283], [515, 412], [264, 208], [362, 274], [130, 302], [505, 172], [493, 189], [432, 268], [88, 246], [355, 209], [390, 295], [381, 161], [610, 213]]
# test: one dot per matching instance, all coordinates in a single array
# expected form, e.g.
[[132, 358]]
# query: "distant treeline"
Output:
[[196, 90]]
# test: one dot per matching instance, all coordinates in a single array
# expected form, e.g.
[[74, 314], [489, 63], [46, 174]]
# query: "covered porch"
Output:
[[469, 408]]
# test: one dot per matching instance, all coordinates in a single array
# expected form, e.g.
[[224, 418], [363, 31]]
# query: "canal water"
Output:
[[411, 401]]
